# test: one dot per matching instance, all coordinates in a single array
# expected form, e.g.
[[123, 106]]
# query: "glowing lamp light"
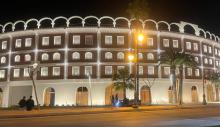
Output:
[[35, 65], [130, 57], [140, 37]]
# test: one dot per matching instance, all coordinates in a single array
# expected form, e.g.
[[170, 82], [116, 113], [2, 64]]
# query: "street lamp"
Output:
[[90, 87], [203, 84], [32, 70]]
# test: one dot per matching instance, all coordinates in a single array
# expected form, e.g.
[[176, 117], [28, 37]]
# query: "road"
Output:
[[164, 118]]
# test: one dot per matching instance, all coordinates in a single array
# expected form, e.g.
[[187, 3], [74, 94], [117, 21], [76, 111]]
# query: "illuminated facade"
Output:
[[67, 49]]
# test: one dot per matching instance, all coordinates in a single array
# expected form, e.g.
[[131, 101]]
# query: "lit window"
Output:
[[27, 57], [216, 62], [88, 70], [16, 73], [18, 43], [17, 58], [197, 73], [205, 48], [56, 56], [88, 40], [108, 70], [175, 44], [88, 55], [216, 52], [166, 43], [4, 45], [56, 71], [120, 67], [196, 59], [210, 61], [57, 40], [150, 70], [120, 55], [45, 41], [44, 57], [177, 71], [75, 70], [108, 40], [120, 40], [2, 74], [150, 42], [206, 61], [195, 46], [140, 56], [188, 45], [75, 56], [26, 72], [150, 56], [28, 42], [166, 70], [44, 71], [210, 49], [141, 70], [3, 60], [108, 55], [76, 39], [189, 71]]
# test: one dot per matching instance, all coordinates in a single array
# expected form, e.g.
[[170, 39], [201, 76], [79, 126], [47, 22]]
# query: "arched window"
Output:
[[120, 55], [44, 57], [88, 55], [56, 56], [140, 56], [108, 55], [49, 97], [17, 58], [150, 56], [75, 56], [3, 59], [27, 57]]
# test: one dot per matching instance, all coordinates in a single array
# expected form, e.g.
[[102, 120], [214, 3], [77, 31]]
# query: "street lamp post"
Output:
[[32, 70], [203, 85]]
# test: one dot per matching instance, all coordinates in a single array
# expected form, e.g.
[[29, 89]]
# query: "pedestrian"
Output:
[[116, 99], [30, 104], [113, 100], [22, 102]]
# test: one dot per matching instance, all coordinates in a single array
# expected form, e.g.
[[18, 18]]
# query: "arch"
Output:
[[6, 26], [44, 57], [56, 19], [162, 27], [3, 60], [109, 92], [29, 24], [56, 56], [46, 25], [87, 21], [120, 55], [136, 24], [49, 97], [217, 39], [82, 96], [17, 58], [108, 55], [150, 24], [1, 97], [88, 55], [210, 93], [127, 23], [174, 27], [72, 18], [213, 37], [202, 33], [208, 35], [75, 56], [19, 27], [145, 95], [189, 29], [1, 30], [150, 56], [105, 24], [194, 94], [170, 94]]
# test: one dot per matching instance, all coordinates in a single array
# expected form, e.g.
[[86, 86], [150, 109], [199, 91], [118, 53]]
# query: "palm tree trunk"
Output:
[[173, 80], [217, 93], [180, 96]]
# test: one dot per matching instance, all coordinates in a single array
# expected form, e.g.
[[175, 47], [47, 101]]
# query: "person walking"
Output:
[[113, 100], [30, 104], [22, 102]]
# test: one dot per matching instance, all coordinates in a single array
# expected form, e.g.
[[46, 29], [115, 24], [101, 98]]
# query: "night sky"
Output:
[[204, 13]]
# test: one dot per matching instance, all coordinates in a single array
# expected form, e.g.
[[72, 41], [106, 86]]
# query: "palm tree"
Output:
[[123, 80], [215, 79], [175, 59]]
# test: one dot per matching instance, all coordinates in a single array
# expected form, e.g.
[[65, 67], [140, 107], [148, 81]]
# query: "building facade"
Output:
[[68, 49]]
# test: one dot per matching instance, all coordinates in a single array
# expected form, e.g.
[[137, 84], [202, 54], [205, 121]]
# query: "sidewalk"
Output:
[[5, 114]]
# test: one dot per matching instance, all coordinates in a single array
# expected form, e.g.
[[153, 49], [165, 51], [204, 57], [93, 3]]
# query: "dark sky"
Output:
[[202, 12]]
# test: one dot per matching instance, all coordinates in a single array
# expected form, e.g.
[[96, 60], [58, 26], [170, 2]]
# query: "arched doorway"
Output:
[[110, 91], [170, 94], [210, 93], [1, 97], [194, 94], [145, 95], [82, 96], [49, 97]]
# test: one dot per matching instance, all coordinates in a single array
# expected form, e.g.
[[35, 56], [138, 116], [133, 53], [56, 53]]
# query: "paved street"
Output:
[[170, 118]]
